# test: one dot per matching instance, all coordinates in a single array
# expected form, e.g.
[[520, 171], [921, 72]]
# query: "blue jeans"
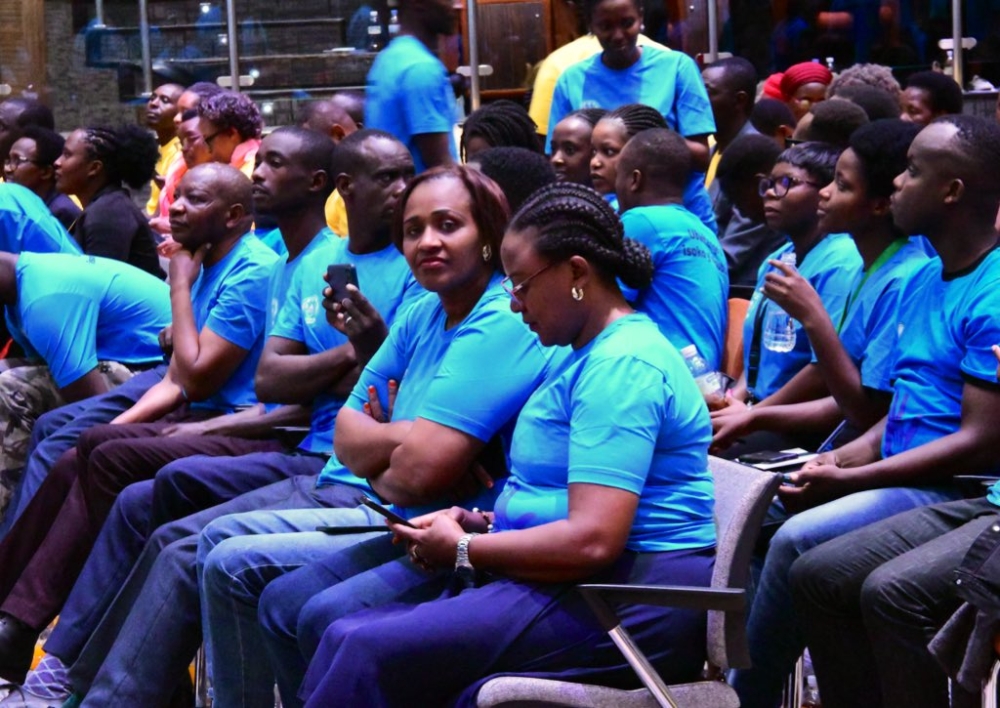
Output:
[[775, 635], [238, 556], [57, 431]]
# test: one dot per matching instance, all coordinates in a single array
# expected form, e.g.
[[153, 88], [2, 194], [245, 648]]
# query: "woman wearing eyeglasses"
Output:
[[96, 165], [829, 261], [609, 483], [31, 164]]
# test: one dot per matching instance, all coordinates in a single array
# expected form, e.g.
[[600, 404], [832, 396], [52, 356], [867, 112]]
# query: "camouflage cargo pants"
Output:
[[25, 393]]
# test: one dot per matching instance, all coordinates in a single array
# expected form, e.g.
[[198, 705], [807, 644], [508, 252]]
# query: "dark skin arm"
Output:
[[434, 149], [251, 423], [858, 466], [700, 154], [591, 537], [288, 373], [90, 384]]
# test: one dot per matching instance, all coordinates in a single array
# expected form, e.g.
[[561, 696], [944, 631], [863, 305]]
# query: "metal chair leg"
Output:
[[202, 699], [990, 686], [792, 695]]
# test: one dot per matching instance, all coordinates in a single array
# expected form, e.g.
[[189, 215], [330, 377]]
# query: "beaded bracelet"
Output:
[[489, 524]]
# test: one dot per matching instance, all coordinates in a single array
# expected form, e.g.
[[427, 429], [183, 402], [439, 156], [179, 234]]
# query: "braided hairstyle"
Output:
[[637, 117], [129, 153], [501, 124], [573, 220], [588, 115]]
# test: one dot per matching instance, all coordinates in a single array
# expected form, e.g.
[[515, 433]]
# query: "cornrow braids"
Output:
[[588, 115], [129, 153], [637, 117], [502, 124], [573, 220]]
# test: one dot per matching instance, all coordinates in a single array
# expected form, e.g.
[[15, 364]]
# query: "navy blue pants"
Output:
[[442, 650]]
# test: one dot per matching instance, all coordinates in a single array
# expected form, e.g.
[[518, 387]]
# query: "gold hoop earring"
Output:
[[487, 253], [577, 293]]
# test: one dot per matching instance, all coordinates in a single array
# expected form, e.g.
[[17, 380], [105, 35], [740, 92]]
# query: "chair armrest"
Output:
[[974, 485], [598, 596]]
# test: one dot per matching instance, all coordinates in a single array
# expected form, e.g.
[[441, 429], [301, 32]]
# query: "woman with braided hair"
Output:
[[608, 483], [498, 124], [612, 132], [571, 145], [95, 165]]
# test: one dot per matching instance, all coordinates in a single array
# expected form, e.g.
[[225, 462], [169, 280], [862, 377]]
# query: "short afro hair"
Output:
[[48, 144], [769, 114], [945, 95], [228, 109], [833, 122], [818, 159], [872, 75], [876, 103], [881, 148], [745, 157], [740, 74]]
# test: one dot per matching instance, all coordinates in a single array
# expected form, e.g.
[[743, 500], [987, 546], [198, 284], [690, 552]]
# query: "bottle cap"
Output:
[[689, 350]]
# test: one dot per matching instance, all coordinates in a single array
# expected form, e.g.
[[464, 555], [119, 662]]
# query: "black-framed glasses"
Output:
[[207, 139], [15, 162], [515, 290], [781, 185]]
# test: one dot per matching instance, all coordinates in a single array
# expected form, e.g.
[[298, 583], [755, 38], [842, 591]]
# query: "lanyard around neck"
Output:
[[891, 250]]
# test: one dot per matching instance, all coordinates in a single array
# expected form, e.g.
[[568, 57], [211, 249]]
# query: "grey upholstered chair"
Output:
[[742, 496]]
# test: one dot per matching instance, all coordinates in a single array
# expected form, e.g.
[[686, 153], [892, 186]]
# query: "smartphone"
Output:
[[379, 509], [766, 457], [339, 276], [786, 479]]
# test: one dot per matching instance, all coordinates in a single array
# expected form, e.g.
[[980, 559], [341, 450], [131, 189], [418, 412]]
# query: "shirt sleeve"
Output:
[[480, 399], [618, 408], [982, 330], [424, 96], [694, 112], [240, 312], [561, 107], [107, 230], [64, 333], [288, 324]]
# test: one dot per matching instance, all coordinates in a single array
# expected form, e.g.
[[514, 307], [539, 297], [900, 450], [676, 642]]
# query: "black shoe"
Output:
[[17, 648]]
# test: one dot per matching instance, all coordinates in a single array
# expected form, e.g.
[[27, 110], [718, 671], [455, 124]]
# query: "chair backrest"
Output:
[[732, 350], [742, 497]]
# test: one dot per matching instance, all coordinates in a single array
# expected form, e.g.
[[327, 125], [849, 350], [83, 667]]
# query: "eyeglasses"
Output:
[[516, 290], [15, 162], [781, 185], [207, 139]]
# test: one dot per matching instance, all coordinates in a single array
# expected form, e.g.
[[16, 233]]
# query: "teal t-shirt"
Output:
[[231, 298], [383, 277], [830, 267], [473, 377], [688, 298], [621, 412], [26, 224], [946, 327], [75, 310]]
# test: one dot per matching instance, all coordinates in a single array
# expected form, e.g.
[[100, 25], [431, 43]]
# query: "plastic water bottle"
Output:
[[374, 32], [779, 327], [393, 24], [707, 379]]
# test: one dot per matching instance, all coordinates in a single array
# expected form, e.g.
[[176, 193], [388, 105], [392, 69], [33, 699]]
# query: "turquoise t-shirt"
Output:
[[74, 310], [946, 326], [230, 298], [407, 93], [473, 377], [621, 412], [26, 224], [830, 267], [688, 298], [869, 330], [668, 81], [383, 277], [286, 270]]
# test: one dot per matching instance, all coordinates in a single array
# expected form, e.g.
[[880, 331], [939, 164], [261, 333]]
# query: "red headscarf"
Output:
[[808, 72]]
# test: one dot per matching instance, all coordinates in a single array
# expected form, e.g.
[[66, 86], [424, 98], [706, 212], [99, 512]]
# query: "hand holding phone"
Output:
[[387, 513], [338, 277]]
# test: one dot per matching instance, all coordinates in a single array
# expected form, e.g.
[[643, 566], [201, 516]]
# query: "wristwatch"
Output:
[[463, 568]]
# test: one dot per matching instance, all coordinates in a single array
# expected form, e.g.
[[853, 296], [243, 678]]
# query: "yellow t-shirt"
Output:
[[167, 154], [555, 64], [713, 162], [336, 214]]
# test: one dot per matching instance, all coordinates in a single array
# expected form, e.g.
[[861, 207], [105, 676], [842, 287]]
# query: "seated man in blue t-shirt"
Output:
[[86, 325], [941, 422], [218, 295], [687, 298]]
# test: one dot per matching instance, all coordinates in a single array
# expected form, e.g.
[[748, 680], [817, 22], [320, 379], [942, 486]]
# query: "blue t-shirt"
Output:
[[473, 377], [830, 267], [621, 412], [946, 328], [869, 330], [273, 240], [26, 224], [230, 298], [286, 269], [668, 81], [383, 277], [688, 296], [74, 310], [408, 94]]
